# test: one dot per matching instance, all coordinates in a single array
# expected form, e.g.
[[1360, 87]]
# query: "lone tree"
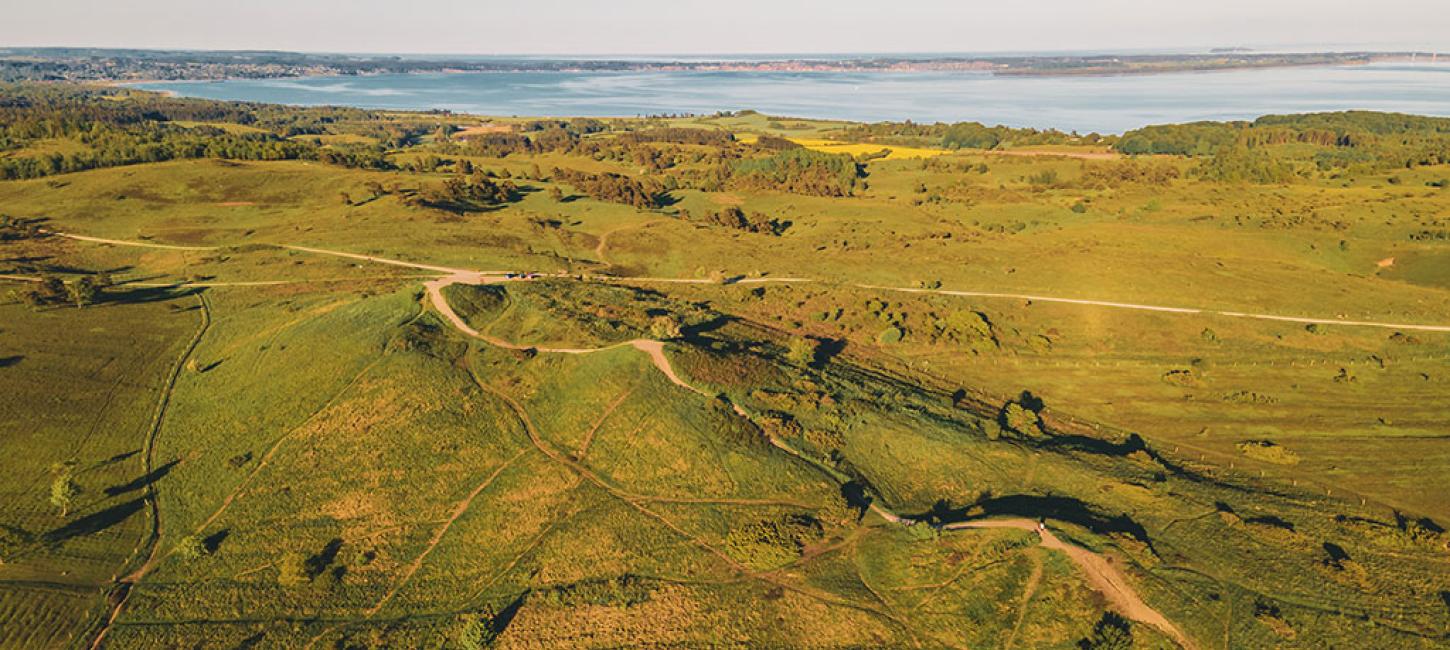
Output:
[[82, 292], [801, 350], [664, 327], [64, 491]]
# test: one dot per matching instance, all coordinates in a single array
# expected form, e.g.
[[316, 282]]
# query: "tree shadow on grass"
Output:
[[141, 481], [1068, 509], [214, 540], [94, 523], [6, 362], [505, 616], [324, 558]]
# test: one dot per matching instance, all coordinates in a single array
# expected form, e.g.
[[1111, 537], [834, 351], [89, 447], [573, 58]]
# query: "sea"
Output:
[[1098, 103]]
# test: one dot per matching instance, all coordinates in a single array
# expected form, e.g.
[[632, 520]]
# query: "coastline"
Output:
[[1031, 66]]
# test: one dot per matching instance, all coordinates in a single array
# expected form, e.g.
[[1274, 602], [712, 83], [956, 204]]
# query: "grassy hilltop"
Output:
[[284, 377]]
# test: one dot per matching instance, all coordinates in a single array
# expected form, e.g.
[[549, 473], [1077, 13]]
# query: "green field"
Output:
[[1229, 396]]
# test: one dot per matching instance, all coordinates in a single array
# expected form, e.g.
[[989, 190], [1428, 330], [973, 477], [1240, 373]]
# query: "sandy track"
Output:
[[136, 244], [1160, 308], [1104, 577]]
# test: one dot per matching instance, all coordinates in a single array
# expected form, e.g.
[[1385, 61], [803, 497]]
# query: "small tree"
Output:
[[64, 491], [801, 350], [1021, 419], [1110, 633], [556, 195], [292, 570], [190, 548], [476, 631], [664, 327], [82, 292]]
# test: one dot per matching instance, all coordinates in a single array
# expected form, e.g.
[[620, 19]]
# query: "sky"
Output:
[[652, 27]]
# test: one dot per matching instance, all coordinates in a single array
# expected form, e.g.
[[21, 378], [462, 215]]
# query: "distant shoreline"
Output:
[[161, 66]]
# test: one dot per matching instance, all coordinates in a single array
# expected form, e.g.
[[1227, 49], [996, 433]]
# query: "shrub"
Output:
[[771, 543], [1111, 632], [292, 570], [1267, 451], [801, 351], [475, 631], [1025, 421], [664, 327], [189, 548]]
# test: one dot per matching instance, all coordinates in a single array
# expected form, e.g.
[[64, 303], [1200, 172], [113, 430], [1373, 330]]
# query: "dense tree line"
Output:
[[775, 143], [118, 128], [736, 219], [1192, 139], [577, 126], [615, 188], [1357, 140], [801, 171], [960, 135], [677, 135], [465, 193]]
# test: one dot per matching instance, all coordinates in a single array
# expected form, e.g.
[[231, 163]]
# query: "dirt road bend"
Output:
[[1105, 577]]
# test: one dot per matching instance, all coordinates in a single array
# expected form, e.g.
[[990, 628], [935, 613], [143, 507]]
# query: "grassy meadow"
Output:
[[235, 442]]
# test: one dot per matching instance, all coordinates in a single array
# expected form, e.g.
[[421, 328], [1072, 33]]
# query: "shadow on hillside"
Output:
[[94, 523], [1068, 509], [6, 362], [696, 333]]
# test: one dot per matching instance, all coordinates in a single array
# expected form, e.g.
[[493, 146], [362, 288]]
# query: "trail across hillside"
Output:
[[1159, 308], [1101, 574], [478, 276], [1104, 577]]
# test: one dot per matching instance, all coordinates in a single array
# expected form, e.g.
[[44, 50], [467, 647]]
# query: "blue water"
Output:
[[1106, 104]]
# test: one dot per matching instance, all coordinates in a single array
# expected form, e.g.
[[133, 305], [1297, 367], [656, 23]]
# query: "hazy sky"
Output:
[[720, 26]]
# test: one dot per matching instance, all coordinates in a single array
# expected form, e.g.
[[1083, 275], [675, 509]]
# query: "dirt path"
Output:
[[385, 260], [1158, 308], [458, 510], [604, 238], [479, 276], [121, 591], [1101, 574], [137, 244], [1027, 592], [583, 449], [1105, 577]]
